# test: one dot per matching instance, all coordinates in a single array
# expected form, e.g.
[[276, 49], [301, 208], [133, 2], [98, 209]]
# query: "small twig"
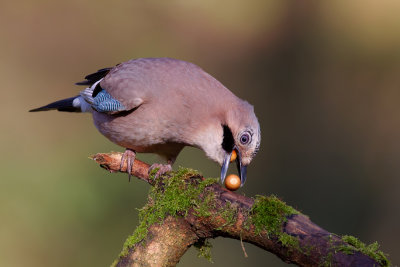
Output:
[[243, 248], [112, 162]]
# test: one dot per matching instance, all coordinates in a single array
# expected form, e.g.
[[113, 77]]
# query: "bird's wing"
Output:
[[101, 101], [132, 83], [154, 81], [94, 77], [105, 97]]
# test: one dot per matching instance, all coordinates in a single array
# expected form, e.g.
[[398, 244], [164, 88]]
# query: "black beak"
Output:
[[225, 166], [242, 170]]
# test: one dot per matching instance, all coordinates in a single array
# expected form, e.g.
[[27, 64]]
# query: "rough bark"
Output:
[[164, 246], [309, 245]]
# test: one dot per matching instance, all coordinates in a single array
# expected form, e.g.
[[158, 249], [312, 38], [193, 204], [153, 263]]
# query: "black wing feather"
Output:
[[94, 77], [60, 105]]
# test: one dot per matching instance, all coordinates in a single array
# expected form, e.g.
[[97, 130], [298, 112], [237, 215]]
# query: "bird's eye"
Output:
[[245, 138]]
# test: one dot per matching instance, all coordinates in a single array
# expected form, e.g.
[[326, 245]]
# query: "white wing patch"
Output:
[[87, 94], [80, 103]]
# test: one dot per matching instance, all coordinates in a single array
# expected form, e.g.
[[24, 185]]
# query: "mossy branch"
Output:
[[185, 209]]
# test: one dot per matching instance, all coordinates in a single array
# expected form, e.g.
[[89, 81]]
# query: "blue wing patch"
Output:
[[103, 102]]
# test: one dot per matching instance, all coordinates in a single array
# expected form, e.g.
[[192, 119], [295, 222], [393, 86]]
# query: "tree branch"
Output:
[[162, 247], [213, 211]]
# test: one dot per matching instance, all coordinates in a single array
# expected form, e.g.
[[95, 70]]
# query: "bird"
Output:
[[161, 105]]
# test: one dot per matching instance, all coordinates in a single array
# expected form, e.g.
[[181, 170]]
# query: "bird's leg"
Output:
[[162, 168], [129, 155]]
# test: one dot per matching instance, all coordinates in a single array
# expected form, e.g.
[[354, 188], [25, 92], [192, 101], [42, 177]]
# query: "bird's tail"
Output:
[[72, 104]]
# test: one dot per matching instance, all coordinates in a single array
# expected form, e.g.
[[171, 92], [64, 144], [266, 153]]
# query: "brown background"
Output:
[[323, 77]]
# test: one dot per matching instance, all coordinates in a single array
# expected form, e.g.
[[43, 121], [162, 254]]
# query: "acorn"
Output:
[[232, 182], [233, 155]]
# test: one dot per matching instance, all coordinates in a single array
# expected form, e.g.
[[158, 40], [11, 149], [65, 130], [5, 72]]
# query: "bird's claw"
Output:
[[129, 155], [162, 169]]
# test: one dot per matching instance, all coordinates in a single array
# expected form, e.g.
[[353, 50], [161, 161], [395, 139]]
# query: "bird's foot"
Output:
[[161, 169], [129, 155]]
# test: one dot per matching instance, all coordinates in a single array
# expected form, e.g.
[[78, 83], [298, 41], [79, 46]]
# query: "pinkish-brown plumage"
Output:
[[168, 104]]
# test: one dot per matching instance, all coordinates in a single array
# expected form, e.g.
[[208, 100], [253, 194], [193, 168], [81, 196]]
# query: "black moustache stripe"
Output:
[[228, 142]]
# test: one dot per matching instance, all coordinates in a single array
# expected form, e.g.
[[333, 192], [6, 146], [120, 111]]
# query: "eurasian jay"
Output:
[[161, 105]]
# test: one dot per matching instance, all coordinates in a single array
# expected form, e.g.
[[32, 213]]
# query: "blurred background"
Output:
[[323, 77]]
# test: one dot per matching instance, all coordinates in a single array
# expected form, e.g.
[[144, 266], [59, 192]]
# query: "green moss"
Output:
[[269, 214], [203, 208], [372, 250], [349, 250], [307, 249], [289, 241], [228, 213], [177, 196], [153, 172], [174, 198], [328, 260], [204, 249], [355, 245], [140, 232]]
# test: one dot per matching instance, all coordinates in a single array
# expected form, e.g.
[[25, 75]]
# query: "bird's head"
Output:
[[241, 133]]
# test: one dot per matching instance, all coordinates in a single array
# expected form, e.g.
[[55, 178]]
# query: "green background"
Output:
[[323, 77]]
